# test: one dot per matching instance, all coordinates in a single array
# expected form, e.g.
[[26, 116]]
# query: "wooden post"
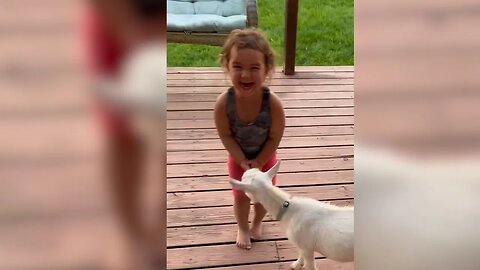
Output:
[[290, 37]]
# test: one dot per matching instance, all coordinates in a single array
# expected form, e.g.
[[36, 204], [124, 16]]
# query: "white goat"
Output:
[[311, 225]]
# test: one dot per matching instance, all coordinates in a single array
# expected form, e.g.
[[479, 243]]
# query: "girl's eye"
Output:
[[237, 67], [255, 68]]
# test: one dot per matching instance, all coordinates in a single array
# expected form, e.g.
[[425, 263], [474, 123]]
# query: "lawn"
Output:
[[324, 35]]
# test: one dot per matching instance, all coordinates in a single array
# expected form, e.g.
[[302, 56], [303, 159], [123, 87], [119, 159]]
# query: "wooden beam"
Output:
[[290, 38]]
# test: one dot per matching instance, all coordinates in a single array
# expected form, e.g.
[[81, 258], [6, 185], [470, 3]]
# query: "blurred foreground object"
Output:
[[417, 103], [414, 213], [144, 94], [124, 78], [416, 76]]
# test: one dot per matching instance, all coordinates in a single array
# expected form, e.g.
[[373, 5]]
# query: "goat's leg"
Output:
[[309, 257], [298, 264]]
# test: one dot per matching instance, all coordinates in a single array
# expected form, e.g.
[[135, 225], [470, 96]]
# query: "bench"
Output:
[[208, 21]]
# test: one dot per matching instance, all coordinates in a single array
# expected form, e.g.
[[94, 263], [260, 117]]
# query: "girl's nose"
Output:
[[245, 73]]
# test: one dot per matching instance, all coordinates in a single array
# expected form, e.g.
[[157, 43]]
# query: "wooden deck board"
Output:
[[283, 180], [318, 112], [207, 105], [205, 256], [214, 169], [268, 251], [283, 96], [225, 233], [301, 75], [289, 132], [276, 88], [321, 264], [216, 215], [224, 197], [278, 81], [208, 156], [287, 142], [289, 122]]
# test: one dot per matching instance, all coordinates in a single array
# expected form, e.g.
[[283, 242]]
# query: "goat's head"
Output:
[[255, 181]]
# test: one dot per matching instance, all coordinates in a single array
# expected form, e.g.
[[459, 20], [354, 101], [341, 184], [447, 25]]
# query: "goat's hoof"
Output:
[[296, 265]]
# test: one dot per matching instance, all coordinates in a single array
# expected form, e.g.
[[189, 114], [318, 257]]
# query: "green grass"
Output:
[[324, 35]]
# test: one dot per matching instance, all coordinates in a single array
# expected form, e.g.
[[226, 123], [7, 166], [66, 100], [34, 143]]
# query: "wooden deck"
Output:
[[316, 153]]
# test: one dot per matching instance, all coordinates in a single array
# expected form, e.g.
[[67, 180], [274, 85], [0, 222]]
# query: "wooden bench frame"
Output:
[[215, 39]]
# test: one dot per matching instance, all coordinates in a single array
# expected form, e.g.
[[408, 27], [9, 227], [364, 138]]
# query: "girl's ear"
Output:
[[269, 75], [240, 185]]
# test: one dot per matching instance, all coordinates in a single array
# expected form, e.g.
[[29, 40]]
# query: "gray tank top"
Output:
[[251, 137]]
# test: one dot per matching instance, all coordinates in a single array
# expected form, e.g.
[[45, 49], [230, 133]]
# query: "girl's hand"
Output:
[[254, 164], [245, 164], [249, 164]]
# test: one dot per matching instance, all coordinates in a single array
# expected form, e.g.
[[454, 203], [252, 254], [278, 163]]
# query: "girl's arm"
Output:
[[223, 130], [276, 131]]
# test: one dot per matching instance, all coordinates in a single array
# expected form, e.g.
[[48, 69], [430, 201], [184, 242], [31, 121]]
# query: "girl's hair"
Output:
[[250, 38]]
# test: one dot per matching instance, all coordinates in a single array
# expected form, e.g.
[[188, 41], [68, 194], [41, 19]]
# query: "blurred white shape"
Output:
[[144, 92], [414, 213], [144, 77]]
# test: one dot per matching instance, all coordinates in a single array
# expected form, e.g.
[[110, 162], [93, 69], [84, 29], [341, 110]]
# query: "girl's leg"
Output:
[[259, 214], [124, 174], [241, 208], [125, 160], [260, 211]]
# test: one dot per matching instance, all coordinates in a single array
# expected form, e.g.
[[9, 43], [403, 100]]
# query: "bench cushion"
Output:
[[204, 23], [205, 15]]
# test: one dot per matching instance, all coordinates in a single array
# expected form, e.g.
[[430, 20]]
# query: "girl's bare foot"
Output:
[[243, 239], [256, 231]]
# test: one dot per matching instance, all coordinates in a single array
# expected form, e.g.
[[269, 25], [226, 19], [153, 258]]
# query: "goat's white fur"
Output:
[[141, 92], [144, 85], [311, 225]]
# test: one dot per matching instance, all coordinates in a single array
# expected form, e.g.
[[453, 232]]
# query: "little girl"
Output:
[[249, 119]]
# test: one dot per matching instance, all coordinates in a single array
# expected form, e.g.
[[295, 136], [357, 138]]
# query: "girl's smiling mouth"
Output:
[[247, 86]]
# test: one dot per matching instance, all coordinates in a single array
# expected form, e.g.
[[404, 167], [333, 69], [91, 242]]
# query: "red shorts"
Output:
[[112, 122], [103, 54], [236, 172]]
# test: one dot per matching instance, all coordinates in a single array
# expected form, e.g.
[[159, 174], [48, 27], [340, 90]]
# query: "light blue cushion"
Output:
[[204, 22], [180, 7], [222, 8], [208, 7], [218, 7], [206, 15]]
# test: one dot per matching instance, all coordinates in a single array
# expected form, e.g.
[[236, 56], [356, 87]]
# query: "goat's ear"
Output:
[[240, 185], [273, 171]]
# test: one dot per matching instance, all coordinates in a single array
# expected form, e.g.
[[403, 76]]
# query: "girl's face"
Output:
[[247, 70]]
